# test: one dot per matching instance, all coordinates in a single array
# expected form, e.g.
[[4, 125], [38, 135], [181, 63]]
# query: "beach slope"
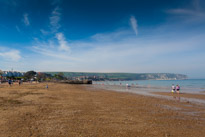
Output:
[[65, 110]]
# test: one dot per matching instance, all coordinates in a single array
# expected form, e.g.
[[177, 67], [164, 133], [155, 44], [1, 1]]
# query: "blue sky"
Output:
[[103, 36]]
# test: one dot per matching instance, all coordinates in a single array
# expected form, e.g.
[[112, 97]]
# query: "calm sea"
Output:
[[189, 85], [147, 87]]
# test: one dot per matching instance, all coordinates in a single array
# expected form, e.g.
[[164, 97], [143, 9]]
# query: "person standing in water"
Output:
[[178, 88]]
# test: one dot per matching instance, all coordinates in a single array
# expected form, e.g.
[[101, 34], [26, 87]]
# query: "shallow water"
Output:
[[147, 90], [187, 86]]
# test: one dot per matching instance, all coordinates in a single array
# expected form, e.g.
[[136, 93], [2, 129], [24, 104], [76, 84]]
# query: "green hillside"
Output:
[[123, 76]]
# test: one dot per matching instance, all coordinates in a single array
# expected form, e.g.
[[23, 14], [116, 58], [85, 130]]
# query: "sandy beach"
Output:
[[65, 110]]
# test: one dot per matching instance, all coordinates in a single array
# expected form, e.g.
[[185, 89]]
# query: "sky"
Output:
[[135, 36]]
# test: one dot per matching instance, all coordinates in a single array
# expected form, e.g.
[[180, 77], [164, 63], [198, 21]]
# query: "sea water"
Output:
[[188, 85], [147, 87]]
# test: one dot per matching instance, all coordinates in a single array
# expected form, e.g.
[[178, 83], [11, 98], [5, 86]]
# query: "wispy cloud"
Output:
[[10, 54], [124, 52], [18, 29], [52, 52], [111, 49], [9, 5], [195, 10], [54, 2], [56, 49], [112, 36], [134, 25], [56, 46], [187, 12], [54, 20], [63, 44], [25, 19], [44, 32], [121, 50]]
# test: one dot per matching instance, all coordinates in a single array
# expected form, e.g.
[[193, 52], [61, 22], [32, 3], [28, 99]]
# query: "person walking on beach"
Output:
[[173, 88], [20, 82], [178, 88], [9, 82]]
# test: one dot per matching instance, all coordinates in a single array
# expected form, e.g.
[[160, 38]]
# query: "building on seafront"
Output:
[[11, 73]]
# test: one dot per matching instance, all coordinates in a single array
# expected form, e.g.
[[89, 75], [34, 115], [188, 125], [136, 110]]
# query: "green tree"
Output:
[[1, 72], [29, 74], [59, 76], [41, 76], [44, 76]]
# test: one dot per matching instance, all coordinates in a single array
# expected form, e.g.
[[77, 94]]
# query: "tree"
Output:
[[1, 72], [43, 76], [59, 76], [30, 75]]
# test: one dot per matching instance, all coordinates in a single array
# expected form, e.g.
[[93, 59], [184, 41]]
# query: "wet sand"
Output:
[[74, 110], [185, 95]]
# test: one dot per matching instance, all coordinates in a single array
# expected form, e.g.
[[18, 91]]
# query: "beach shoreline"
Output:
[[81, 110]]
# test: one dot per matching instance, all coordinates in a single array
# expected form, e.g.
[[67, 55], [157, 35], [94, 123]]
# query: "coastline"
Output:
[[158, 92], [188, 85], [81, 110], [184, 95]]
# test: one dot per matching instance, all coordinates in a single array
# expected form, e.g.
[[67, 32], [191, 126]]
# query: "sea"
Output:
[[188, 85], [147, 87]]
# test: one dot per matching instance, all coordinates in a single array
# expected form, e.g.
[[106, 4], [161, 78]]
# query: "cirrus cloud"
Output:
[[10, 54], [63, 44], [25, 19], [134, 25]]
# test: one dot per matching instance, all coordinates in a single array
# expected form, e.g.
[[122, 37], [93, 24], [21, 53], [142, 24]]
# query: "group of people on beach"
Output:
[[175, 89], [10, 82]]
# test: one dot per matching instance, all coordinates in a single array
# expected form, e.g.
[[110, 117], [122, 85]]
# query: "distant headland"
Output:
[[121, 76], [50, 76]]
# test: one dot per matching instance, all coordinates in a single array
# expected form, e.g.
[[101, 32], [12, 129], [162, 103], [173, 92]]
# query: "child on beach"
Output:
[[173, 88], [178, 88], [46, 86]]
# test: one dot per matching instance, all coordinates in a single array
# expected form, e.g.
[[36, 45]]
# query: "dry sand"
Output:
[[75, 110]]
